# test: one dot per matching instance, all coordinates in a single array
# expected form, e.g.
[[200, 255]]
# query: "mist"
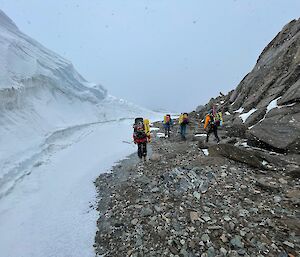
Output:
[[170, 55]]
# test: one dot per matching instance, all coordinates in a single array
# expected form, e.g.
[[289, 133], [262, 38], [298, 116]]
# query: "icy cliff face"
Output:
[[24, 64], [41, 93]]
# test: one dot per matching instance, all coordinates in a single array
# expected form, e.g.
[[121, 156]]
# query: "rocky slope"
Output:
[[237, 198], [265, 106], [236, 201]]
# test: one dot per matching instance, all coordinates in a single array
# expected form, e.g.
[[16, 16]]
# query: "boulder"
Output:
[[295, 173], [236, 130], [279, 130], [273, 89], [237, 154]]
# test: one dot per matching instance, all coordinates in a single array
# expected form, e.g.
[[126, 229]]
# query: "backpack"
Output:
[[218, 119], [147, 127], [185, 119], [139, 128]]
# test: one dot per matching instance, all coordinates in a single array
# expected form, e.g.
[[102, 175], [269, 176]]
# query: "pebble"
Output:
[[146, 212], [134, 221], [226, 218], [194, 216], [289, 244], [236, 242], [205, 237], [223, 238], [205, 218], [155, 190], [197, 195], [223, 251], [282, 181], [157, 208]]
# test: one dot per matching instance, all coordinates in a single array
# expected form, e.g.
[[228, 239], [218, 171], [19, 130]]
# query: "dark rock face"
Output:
[[237, 154], [280, 130], [275, 76], [236, 130], [251, 157], [272, 91], [295, 173]]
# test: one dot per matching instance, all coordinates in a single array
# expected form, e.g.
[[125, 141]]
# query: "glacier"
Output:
[[57, 133], [41, 93]]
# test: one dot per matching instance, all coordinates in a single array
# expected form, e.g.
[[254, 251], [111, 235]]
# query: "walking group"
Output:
[[141, 129]]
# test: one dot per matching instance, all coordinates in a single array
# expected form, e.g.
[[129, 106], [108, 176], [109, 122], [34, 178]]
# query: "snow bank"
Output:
[[41, 93], [246, 115], [52, 211], [57, 133]]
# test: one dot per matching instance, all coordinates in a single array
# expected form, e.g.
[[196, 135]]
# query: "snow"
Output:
[[205, 151], [200, 135], [154, 129], [160, 135], [246, 115], [272, 104], [47, 213], [58, 132], [41, 95], [227, 113], [239, 110], [244, 144]]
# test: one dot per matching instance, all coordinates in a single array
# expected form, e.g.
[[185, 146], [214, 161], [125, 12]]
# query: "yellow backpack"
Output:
[[147, 127]]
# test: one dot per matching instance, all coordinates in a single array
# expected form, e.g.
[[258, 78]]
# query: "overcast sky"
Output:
[[160, 54]]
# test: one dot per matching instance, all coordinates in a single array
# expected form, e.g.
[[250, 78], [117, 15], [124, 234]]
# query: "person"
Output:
[[141, 136], [183, 122], [211, 124], [168, 122]]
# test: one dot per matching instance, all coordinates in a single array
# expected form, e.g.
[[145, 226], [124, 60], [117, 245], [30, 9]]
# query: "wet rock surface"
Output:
[[184, 203]]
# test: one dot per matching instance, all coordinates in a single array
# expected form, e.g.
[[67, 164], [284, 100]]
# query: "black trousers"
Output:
[[213, 129], [142, 149], [167, 131]]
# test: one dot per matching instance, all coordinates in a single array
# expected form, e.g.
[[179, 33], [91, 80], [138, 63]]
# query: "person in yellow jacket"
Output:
[[211, 125], [183, 122]]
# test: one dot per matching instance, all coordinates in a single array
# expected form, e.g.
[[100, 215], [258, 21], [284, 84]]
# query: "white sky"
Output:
[[170, 54]]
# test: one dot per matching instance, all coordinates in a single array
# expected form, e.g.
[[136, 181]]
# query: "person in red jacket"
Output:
[[141, 137]]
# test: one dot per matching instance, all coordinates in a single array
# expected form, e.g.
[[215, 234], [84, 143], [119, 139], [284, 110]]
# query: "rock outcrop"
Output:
[[267, 100]]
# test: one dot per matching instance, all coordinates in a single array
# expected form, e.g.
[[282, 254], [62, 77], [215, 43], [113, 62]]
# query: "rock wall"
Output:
[[267, 100]]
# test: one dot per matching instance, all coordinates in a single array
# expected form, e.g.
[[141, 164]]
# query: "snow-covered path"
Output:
[[48, 213]]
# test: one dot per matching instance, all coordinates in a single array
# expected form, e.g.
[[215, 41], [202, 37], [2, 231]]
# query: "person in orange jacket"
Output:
[[211, 125]]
